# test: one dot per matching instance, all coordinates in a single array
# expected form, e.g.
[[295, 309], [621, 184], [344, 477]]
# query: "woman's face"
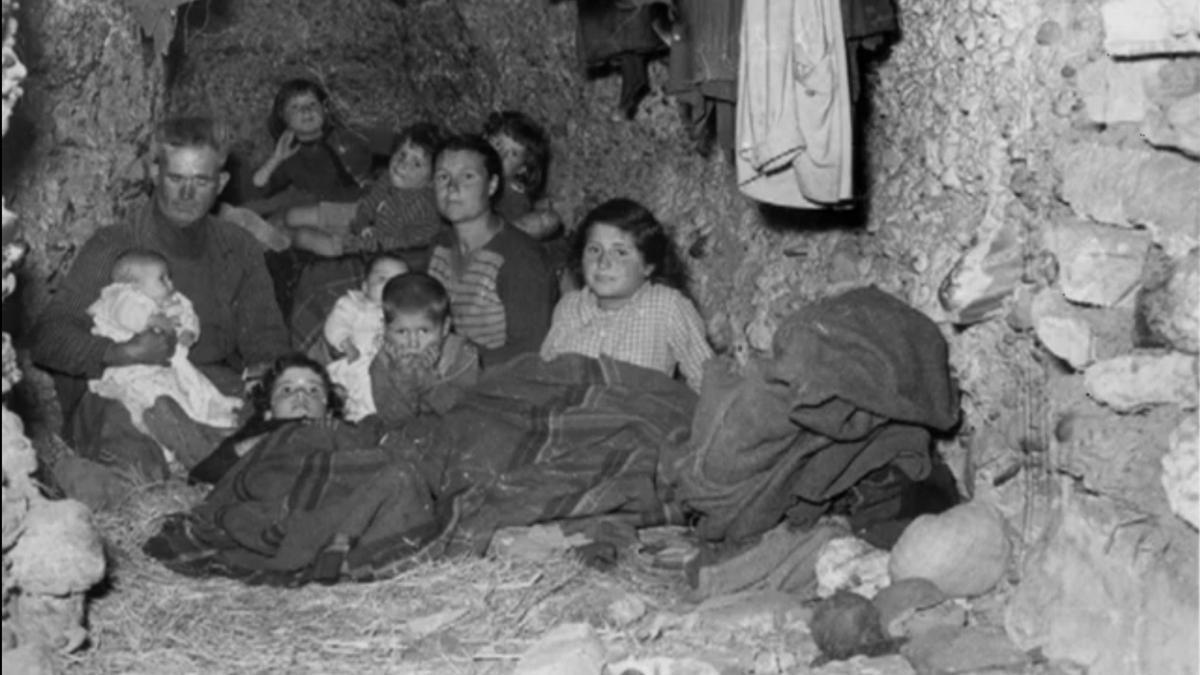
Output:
[[305, 116], [298, 392], [613, 266], [463, 186]]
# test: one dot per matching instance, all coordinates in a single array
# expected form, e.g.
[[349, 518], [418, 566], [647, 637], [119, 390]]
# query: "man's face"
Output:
[[187, 182]]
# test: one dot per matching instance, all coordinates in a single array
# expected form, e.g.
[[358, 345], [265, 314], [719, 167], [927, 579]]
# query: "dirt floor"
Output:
[[464, 616]]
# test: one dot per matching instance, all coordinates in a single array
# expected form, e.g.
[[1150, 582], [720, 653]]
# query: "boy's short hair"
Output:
[[191, 132], [124, 268], [424, 135], [415, 292]]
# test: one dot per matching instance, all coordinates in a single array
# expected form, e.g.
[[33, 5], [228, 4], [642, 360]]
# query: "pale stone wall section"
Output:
[[52, 554]]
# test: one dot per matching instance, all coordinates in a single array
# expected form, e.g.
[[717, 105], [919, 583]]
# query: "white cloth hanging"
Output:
[[793, 110]]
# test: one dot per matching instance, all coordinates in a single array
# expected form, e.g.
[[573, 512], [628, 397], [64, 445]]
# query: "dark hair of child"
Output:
[[477, 144], [424, 135], [260, 395], [123, 268], [277, 123], [415, 292], [648, 234], [530, 135]]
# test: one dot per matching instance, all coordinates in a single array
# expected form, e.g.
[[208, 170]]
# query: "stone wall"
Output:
[[1032, 171], [52, 554], [1043, 173]]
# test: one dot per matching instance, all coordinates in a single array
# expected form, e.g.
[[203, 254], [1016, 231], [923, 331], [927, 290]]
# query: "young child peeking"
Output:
[[399, 211], [422, 367], [142, 297], [354, 329], [632, 307]]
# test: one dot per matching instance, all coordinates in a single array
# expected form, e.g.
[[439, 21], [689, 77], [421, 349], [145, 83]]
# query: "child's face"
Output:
[[411, 167], [414, 333], [154, 280], [512, 154], [305, 115], [380, 274], [613, 266], [298, 392]]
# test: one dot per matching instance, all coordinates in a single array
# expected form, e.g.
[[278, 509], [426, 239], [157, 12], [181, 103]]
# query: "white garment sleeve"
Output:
[[180, 310], [339, 325], [121, 312]]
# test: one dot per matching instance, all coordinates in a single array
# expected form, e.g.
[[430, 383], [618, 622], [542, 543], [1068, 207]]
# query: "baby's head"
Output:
[[412, 160], [146, 271], [524, 149], [379, 272], [416, 314]]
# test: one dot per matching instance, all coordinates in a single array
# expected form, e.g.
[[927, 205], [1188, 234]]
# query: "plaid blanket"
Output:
[[534, 441], [321, 284], [571, 438]]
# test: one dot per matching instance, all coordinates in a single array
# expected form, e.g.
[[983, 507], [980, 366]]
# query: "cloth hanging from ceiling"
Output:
[[793, 115]]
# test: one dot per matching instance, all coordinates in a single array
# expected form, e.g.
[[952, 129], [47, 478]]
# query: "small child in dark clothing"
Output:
[[422, 367], [398, 214]]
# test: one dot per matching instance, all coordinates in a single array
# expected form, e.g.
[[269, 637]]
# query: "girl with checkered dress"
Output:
[[633, 305]]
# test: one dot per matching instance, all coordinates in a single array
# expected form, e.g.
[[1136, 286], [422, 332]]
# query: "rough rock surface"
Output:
[[1108, 592]]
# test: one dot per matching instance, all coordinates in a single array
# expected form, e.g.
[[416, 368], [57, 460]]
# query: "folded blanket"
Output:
[[855, 382]]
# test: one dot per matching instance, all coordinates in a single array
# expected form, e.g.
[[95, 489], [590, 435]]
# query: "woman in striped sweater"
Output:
[[502, 291]]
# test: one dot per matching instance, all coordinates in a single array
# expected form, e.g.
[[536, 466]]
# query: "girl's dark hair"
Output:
[[530, 135], [478, 145], [415, 292], [648, 234], [277, 123], [260, 395], [425, 135]]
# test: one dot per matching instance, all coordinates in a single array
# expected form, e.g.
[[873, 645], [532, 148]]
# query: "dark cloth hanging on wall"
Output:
[[704, 64], [620, 33], [868, 25]]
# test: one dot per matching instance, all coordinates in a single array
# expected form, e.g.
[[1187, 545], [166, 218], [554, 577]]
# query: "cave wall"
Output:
[[1035, 167], [1032, 171]]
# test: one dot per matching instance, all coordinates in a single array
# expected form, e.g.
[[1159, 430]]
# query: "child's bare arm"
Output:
[[317, 241]]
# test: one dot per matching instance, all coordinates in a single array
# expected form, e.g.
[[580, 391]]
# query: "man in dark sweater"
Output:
[[218, 266]]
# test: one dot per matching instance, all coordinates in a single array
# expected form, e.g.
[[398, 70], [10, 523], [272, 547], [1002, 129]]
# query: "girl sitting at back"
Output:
[[317, 162], [524, 149], [399, 213], [355, 330], [632, 306]]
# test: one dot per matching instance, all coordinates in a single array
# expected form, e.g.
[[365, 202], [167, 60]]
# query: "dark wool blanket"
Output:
[[855, 382], [534, 441]]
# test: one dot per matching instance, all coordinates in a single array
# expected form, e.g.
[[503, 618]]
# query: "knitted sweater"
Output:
[[501, 295], [217, 265]]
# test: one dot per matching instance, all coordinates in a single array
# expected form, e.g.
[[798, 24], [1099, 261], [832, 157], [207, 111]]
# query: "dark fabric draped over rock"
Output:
[[856, 382], [536, 441]]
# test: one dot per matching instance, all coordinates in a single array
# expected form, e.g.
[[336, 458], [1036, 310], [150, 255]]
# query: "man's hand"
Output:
[[150, 347]]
